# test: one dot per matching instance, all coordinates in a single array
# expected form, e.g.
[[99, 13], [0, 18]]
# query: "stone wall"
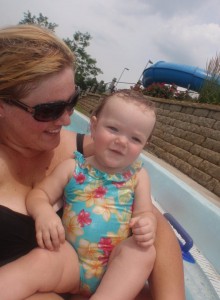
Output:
[[187, 136]]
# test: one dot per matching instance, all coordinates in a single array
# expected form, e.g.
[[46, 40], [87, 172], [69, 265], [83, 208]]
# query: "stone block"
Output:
[[210, 169], [169, 129], [175, 107], [212, 185], [196, 149], [195, 161], [209, 132], [188, 110], [162, 112], [216, 189], [183, 166], [163, 119], [216, 126], [215, 115], [181, 153], [177, 115], [209, 155], [201, 112], [199, 176], [168, 137], [211, 144], [158, 152], [194, 138], [179, 132], [207, 122]]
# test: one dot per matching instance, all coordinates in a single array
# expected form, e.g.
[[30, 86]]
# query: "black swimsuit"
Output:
[[17, 234], [17, 231]]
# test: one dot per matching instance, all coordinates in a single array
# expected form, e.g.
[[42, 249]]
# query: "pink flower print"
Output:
[[83, 218], [100, 192], [127, 174], [80, 178], [105, 244], [118, 184], [104, 258]]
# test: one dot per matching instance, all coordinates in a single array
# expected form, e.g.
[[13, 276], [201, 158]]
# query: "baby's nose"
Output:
[[121, 140]]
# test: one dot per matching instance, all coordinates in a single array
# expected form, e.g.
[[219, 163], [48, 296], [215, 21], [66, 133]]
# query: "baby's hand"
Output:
[[144, 229], [49, 230]]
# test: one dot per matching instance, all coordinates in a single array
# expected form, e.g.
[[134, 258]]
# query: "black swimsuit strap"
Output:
[[79, 142]]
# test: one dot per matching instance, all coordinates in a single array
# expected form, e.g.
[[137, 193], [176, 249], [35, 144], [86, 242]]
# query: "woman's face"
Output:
[[21, 130]]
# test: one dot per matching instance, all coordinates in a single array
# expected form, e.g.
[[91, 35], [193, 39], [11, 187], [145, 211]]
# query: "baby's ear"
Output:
[[93, 124]]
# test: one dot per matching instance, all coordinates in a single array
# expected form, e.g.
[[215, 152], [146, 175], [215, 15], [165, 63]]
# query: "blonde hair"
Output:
[[28, 54], [128, 96]]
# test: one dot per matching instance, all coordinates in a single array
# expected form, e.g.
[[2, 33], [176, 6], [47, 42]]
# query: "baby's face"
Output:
[[120, 132]]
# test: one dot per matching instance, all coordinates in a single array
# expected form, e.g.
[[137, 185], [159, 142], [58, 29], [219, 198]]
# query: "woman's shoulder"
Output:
[[66, 134], [68, 140]]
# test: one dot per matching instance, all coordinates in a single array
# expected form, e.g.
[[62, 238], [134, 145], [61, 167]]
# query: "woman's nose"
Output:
[[65, 118]]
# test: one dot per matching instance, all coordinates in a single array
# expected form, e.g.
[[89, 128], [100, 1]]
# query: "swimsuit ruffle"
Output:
[[97, 174]]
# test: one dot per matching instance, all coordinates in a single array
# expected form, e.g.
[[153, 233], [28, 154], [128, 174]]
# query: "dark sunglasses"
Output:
[[50, 111]]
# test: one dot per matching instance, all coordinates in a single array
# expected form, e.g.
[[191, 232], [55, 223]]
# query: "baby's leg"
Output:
[[128, 269], [40, 271]]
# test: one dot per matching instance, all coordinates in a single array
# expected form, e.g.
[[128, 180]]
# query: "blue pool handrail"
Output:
[[188, 241]]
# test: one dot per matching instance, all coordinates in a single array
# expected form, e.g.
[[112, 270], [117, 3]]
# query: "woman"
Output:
[[37, 96]]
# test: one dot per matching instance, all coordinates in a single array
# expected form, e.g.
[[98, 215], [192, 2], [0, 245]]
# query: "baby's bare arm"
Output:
[[49, 229], [143, 222]]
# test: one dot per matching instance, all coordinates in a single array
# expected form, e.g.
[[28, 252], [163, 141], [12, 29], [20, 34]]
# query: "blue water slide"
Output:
[[182, 75]]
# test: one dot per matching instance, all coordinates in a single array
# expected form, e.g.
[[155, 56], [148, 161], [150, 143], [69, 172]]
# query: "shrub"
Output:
[[210, 91], [160, 90]]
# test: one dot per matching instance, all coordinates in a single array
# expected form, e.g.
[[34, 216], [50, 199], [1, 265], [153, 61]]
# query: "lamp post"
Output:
[[149, 62], [121, 76]]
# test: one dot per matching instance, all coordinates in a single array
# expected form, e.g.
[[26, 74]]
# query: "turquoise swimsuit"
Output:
[[97, 212]]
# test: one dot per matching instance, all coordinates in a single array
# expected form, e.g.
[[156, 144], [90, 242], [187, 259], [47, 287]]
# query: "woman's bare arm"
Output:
[[167, 278]]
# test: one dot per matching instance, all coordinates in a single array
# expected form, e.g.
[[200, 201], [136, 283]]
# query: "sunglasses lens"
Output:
[[72, 103], [46, 113], [52, 111]]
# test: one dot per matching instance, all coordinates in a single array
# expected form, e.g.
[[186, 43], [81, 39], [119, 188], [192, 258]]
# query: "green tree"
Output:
[[41, 20], [86, 69]]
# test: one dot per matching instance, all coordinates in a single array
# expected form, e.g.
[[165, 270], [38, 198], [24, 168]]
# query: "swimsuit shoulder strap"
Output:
[[79, 142]]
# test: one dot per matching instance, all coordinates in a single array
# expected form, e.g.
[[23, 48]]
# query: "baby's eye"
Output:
[[113, 128], [137, 140]]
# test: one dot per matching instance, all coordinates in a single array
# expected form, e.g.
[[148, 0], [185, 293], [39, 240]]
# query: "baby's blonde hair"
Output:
[[28, 54], [126, 95]]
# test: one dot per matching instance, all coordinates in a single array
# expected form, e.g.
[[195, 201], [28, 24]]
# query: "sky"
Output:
[[126, 34]]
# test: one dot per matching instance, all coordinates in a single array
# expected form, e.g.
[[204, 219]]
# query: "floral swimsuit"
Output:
[[97, 212]]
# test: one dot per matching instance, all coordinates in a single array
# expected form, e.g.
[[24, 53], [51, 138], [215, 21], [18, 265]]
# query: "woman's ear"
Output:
[[93, 124]]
